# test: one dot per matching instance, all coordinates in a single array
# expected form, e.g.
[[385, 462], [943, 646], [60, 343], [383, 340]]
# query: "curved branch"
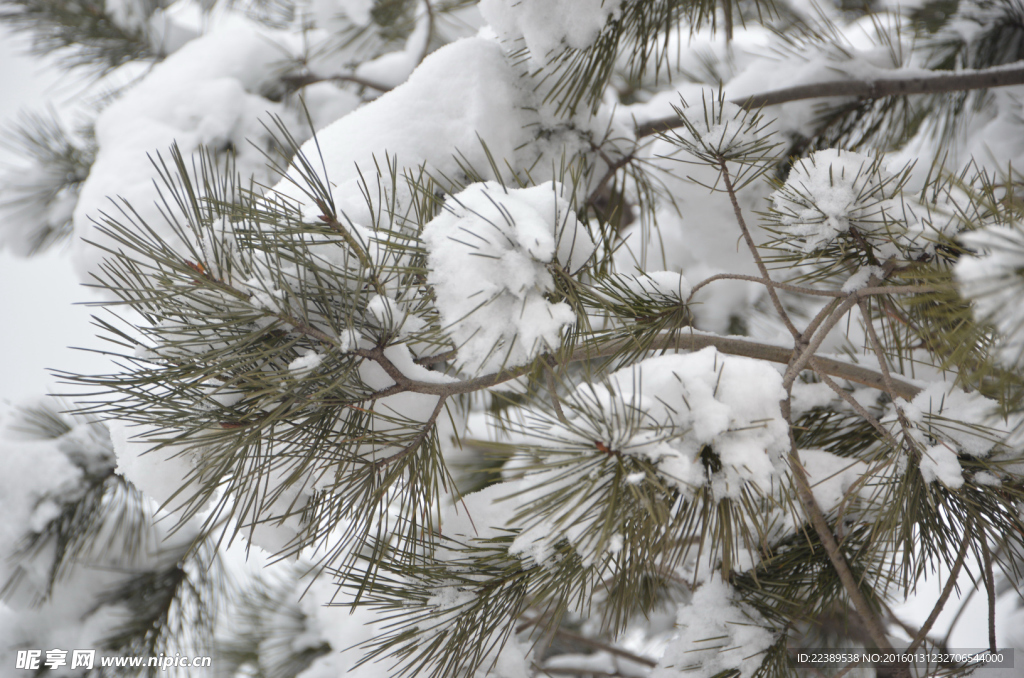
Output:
[[797, 289], [778, 354], [669, 340], [742, 223], [921, 82]]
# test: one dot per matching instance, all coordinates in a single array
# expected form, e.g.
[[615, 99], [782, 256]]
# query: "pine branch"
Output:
[[814, 514], [83, 33], [876, 346], [913, 82], [856, 406], [954, 574], [417, 439], [669, 340], [768, 283], [293, 83], [595, 644], [40, 192], [990, 591]]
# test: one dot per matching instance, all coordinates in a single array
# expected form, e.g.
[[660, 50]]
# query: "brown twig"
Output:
[[297, 82], [933, 83], [809, 345], [668, 340], [990, 592], [428, 425], [741, 347], [769, 283], [857, 407], [814, 514], [596, 644], [753, 278]]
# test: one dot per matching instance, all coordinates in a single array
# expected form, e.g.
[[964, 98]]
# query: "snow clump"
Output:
[[832, 191], [946, 422], [940, 463], [717, 634], [721, 128], [726, 403], [549, 27], [709, 421], [489, 251]]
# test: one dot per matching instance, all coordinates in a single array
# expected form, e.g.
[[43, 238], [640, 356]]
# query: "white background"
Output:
[[38, 316]]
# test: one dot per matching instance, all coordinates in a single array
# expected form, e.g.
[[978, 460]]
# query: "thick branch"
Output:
[[681, 341], [930, 83], [666, 341], [776, 354]]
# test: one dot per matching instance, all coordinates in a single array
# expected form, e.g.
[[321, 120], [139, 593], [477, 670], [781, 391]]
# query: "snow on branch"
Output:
[[908, 81]]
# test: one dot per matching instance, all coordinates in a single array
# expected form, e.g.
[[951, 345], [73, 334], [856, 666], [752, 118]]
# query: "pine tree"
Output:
[[526, 337]]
